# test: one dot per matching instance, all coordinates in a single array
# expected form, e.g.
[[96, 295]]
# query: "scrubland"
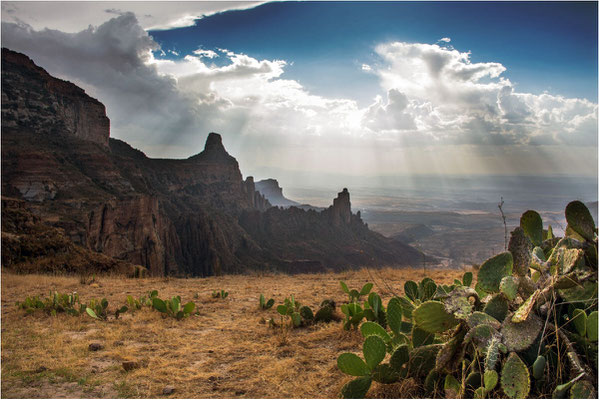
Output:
[[227, 351]]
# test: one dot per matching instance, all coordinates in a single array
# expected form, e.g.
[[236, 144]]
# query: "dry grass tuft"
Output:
[[225, 352]]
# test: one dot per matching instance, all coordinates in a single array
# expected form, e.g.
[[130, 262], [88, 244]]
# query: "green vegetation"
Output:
[[220, 294], [265, 305], [173, 307], [97, 309], [56, 303], [137, 304], [527, 329]]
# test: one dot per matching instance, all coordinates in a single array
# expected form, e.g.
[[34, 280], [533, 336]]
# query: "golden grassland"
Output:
[[228, 351]]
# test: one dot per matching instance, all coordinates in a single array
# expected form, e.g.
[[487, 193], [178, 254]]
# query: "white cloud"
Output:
[[366, 67], [454, 100], [445, 39], [152, 15], [205, 53]]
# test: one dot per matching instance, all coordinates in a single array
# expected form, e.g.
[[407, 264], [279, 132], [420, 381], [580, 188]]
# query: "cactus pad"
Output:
[[497, 307], [406, 307], [520, 336], [374, 350], [481, 336], [324, 314], [467, 278], [520, 247], [373, 329], [479, 393], [306, 313], [564, 260], [351, 364], [400, 356], [421, 337], [452, 387], [383, 373], [477, 318], [580, 220], [474, 380], [411, 290], [493, 270], [583, 390], [366, 289], [509, 287], [538, 368], [515, 380], [431, 317], [422, 360], [592, 326], [356, 389], [457, 302], [394, 315], [579, 318], [532, 225], [524, 310], [427, 289], [490, 380]]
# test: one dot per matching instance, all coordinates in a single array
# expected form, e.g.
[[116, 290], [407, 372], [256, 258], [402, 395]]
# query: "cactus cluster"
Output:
[[173, 307], [302, 315], [56, 302], [137, 304], [527, 328], [97, 309], [219, 294]]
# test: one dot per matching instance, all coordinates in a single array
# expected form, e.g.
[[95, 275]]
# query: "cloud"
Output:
[[454, 100], [152, 15], [431, 97], [445, 40]]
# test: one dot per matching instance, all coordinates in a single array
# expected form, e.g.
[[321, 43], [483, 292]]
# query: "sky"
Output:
[[318, 91]]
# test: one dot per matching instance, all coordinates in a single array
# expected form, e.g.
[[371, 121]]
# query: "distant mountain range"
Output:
[[74, 198]]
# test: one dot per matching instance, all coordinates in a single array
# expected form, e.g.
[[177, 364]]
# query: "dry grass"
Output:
[[225, 352]]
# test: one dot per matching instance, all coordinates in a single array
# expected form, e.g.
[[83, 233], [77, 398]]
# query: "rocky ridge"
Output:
[[189, 217]]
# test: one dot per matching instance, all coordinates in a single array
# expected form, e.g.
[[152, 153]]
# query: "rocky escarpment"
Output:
[[33, 100], [195, 216]]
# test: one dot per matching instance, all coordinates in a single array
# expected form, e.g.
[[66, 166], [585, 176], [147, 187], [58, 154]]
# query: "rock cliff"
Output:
[[34, 100], [194, 216]]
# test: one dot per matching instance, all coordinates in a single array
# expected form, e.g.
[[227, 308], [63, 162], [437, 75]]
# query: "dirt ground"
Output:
[[228, 351]]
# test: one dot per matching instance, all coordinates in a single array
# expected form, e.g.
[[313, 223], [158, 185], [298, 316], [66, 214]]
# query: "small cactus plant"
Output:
[[265, 305], [220, 294], [173, 307]]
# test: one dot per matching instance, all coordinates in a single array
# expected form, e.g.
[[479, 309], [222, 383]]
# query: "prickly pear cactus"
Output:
[[502, 338]]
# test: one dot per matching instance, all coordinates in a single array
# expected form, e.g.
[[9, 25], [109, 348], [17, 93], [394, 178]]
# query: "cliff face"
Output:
[[48, 105], [195, 216]]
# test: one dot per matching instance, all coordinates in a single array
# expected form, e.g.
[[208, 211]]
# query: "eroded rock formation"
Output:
[[196, 216]]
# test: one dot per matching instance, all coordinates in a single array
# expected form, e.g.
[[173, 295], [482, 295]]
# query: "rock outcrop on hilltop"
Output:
[[189, 217]]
